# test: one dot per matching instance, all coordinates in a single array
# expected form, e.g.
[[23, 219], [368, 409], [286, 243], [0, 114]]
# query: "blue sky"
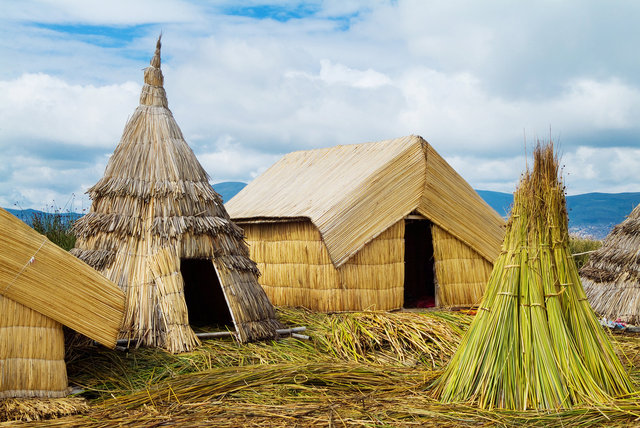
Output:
[[249, 81]]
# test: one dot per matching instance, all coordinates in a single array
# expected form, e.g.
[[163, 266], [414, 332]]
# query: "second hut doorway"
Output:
[[420, 288], [206, 303]]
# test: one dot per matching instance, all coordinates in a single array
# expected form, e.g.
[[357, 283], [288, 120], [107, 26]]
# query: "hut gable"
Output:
[[354, 193], [158, 229]]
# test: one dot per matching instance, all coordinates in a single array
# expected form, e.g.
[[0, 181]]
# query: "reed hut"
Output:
[[158, 229], [368, 226], [611, 276], [42, 288]]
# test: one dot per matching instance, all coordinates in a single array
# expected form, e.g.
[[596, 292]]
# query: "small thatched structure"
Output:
[[43, 287], [611, 276], [374, 225], [158, 229]]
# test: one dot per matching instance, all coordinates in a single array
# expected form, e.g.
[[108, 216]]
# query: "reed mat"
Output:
[[358, 369]]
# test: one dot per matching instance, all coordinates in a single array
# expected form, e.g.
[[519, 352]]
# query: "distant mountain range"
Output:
[[590, 214]]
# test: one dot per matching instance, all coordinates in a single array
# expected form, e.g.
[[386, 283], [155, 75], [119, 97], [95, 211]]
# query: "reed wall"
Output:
[[462, 273], [31, 353], [297, 270]]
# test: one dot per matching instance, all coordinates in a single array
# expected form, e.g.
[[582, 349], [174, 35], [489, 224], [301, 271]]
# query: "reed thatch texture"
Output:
[[536, 342], [31, 353], [461, 272], [42, 287], [297, 271], [611, 276], [367, 189], [153, 207]]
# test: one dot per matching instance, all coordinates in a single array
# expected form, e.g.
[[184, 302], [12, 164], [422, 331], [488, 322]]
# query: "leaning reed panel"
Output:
[[44, 277], [462, 273], [253, 314]]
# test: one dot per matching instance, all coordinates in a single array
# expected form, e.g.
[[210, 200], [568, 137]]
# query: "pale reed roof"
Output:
[[42, 276], [353, 193]]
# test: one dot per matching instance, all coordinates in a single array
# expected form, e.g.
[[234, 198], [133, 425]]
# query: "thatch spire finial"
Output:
[[153, 73], [155, 61], [153, 92]]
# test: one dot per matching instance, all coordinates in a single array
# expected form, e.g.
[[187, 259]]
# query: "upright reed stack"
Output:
[[535, 343]]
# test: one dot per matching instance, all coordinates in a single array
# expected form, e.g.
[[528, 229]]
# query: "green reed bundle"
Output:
[[535, 343]]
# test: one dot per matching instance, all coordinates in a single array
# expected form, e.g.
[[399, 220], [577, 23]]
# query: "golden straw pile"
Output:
[[535, 343]]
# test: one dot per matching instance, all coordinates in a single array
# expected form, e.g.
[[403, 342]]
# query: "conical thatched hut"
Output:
[[611, 276], [43, 287], [368, 226], [535, 342], [157, 228]]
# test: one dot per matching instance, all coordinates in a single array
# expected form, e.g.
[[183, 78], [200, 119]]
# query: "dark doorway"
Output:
[[419, 280], [203, 294]]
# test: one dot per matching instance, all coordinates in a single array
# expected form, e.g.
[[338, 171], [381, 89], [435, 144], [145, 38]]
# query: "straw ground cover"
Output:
[[358, 369]]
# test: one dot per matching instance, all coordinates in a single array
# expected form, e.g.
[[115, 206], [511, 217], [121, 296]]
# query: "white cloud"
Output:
[[113, 12], [474, 80], [232, 162], [46, 108]]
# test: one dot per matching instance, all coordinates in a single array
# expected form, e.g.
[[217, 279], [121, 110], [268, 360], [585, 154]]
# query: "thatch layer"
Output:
[[535, 342], [153, 207], [367, 188], [297, 270], [31, 353], [461, 273], [611, 276]]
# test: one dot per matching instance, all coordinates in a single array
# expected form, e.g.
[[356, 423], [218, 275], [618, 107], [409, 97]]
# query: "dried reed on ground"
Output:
[[535, 342], [298, 383]]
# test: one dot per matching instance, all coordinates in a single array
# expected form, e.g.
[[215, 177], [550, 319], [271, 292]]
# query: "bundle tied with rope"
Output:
[[536, 343]]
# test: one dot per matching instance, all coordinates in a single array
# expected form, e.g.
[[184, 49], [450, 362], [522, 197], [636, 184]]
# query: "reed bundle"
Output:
[[535, 342], [153, 207], [611, 276]]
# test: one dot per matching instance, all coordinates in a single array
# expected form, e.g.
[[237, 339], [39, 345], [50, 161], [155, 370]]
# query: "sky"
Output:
[[249, 81]]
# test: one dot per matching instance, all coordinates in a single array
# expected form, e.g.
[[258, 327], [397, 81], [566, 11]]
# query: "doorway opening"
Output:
[[203, 294], [419, 277]]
